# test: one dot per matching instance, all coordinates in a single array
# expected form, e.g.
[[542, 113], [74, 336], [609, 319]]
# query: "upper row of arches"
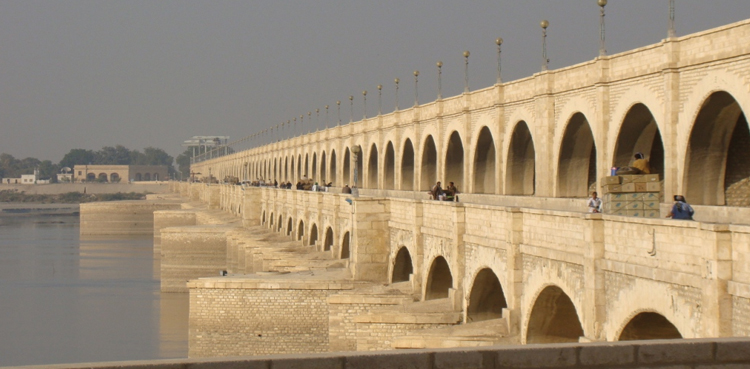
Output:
[[712, 159]]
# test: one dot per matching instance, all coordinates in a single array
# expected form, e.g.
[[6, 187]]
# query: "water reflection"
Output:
[[67, 299]]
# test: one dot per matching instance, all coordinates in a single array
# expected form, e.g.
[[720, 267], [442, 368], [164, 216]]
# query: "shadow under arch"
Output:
[[716, 161], [454, 161], [289, 227], [332, 169], [328, 241], [402, 267], [347, 167], [314, 164], [407, 166], [487, 299], [521, 167], [640, 133], [553, 318], [576, 166], [323, 169], [300, 230], [372, 167], [484, 163], [439, 280], [429, 164], [313, 235], [649, 326], [345, 246], [389, 167], [280, 223]]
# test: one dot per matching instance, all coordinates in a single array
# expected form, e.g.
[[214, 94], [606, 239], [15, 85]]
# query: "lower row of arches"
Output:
[[552, 319], [297, 230]]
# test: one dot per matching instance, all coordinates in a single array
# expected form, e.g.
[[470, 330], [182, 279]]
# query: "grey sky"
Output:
[[85, 74]]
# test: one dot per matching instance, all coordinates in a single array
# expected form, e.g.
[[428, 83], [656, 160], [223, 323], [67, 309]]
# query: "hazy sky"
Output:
[[87, 74]]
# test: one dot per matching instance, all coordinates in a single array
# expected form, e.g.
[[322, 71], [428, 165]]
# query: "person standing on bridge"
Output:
[[437, 191]]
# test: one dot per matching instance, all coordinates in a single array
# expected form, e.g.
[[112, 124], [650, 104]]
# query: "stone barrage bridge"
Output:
[[517, 260]]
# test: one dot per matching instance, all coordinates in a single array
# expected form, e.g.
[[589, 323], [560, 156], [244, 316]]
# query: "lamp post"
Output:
[[294, 131], [302, 124], [671, 32], [440, 75], [602, 49], [499, 43], [380, 99], [364, 109], [326, 116], [355, 157], [396, 80], [416, 89], [351, 108], [309, 119], [545, 62], [338, 111], [466, 71], [317, 119]]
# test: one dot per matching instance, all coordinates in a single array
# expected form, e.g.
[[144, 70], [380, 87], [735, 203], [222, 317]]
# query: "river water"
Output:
[[68, 299]]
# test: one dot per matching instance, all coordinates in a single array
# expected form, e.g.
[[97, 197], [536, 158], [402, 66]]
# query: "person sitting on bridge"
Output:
[[299, 185], [640, 163], [595, 203], [346, 189], [640, 166], [681, 209], [451, 192], [437, 192]]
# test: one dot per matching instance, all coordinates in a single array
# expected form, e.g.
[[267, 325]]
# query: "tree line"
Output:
[[11, 167]]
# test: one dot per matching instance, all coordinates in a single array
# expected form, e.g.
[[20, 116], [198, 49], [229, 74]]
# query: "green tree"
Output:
[[77, 157], [47, 170], [183, 162]]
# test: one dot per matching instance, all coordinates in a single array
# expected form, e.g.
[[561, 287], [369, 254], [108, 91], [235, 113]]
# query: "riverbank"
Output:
[[88, 188], [30, 209]]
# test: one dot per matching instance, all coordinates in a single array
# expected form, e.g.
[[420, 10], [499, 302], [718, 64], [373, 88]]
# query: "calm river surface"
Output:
[[65, 299]]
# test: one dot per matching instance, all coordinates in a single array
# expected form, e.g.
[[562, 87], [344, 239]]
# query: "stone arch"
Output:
[[333, 168], [553, 318], [485, 159], [323, 171], [372, 167], [306, 170], [347, 172], [102, 177], [289, 227], [299, 167], [286, 169], [389, 167], [345, 252], [280, 223], [521, 168], [313, 235], [487, 299], [291, 172], [359, 169], [146, 177], [137, 176], [300, 230], [407, 166], [314, 164], [328, 241], [271, 221], [114, 177], [275, 173], [403, 267], [454, 160], [439, 280], [576, 168], [429, 163], [649, 325], [263, 218], [715, 159], [639, 132]]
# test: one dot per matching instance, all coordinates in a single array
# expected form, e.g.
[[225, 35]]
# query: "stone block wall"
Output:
[[240, 316], [191, 252], [344, 308], [121, 217]]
